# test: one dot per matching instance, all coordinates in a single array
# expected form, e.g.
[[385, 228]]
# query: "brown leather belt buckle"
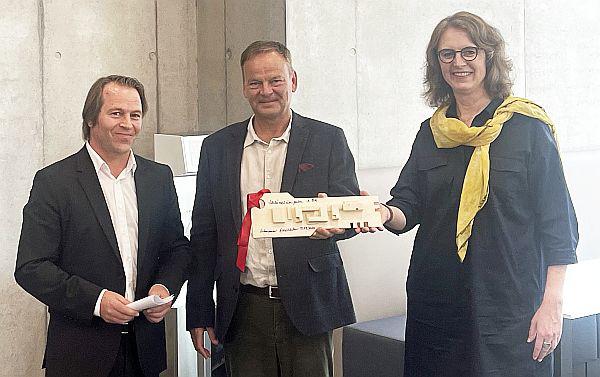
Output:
[[274, 293]]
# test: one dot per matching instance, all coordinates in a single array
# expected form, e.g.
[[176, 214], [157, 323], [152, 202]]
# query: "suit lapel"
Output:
[[143, 183], [298, 137], [88, 179], [233, 155]]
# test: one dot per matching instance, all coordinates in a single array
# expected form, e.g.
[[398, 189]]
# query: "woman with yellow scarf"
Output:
[[485, 184]]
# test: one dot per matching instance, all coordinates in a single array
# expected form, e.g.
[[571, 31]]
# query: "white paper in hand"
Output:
[[149, 302]]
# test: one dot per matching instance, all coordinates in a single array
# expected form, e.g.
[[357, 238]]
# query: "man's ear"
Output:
[[294, 81]]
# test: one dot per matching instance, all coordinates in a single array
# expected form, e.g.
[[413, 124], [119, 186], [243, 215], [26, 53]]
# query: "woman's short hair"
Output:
[[93, 101], [497, 80]]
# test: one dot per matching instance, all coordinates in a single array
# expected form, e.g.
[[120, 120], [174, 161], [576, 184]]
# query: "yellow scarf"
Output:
[[451, 132]]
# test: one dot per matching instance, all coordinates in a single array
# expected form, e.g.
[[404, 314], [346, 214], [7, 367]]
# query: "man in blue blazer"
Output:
[[277, 303], [102, 228]]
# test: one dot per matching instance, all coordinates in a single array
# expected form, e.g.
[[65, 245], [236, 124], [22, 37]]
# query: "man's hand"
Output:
[[322, 233], [197, 335], [157, 313], [113, 308], [384, 217], [545, 329]]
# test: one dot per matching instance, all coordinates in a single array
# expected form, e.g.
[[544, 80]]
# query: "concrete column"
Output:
[[177, 67], [225, 29], [245, 22], [212, 78], [22, 318]]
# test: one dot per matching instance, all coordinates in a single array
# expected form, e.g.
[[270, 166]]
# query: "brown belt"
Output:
[[271, 291]]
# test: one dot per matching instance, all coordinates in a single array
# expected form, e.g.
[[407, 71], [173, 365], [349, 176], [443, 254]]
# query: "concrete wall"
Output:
[[22, 321], [177, 70], [225, 29], [360, 67], [212, 70], [97, 38], [245, 22], [562, 40]]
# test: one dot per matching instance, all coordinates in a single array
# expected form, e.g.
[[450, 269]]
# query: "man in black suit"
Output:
[[278, 304], [101, 228]]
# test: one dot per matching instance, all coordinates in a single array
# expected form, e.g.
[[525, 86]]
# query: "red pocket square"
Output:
[[305, 166]]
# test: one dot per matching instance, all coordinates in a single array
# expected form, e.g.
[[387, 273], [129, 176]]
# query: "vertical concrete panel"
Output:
[[177, 66], [212, 79], [321, 37], [391, 39], [22, 319], [86, 40], [245, 22], [563, 75]]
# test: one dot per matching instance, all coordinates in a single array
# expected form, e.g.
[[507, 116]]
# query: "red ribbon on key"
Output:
[[242, 242]]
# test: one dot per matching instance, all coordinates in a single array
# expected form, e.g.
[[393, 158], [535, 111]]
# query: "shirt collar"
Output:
[[251, 135], [490, 109], [100, 164], [482, 117]]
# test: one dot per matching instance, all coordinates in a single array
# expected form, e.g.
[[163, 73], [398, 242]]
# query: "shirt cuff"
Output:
[[97, 307]]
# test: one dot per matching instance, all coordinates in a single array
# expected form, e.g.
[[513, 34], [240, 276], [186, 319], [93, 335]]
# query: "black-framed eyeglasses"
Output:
[[447, 55]]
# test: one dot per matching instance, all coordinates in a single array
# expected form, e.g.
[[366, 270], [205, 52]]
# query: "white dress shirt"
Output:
[[262, 167], [121, 200]]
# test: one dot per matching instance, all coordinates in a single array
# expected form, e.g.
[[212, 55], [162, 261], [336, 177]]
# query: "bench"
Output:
[[374, 348]]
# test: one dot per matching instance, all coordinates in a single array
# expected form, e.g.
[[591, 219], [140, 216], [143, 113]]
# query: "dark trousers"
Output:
[[263, 342], [127, 363]]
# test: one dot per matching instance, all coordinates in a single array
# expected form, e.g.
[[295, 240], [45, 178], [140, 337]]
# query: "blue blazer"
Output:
[[310, 273]]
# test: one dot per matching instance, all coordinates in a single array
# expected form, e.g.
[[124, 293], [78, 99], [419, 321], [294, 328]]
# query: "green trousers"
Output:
[[263, 342]]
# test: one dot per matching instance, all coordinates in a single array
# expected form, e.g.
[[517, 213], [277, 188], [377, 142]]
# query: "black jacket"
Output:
[[68, 253]]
